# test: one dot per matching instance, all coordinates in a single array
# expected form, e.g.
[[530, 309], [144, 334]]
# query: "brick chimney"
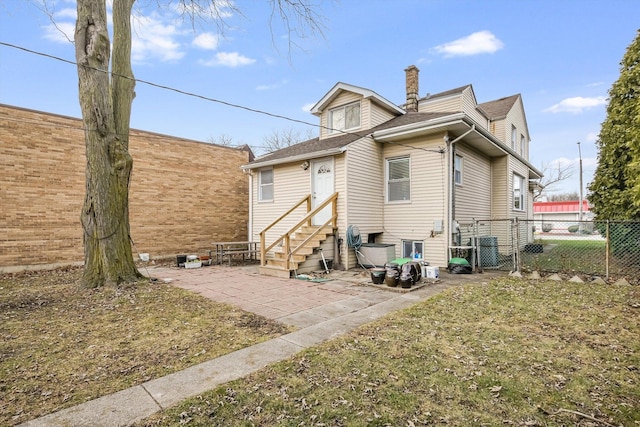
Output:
[[412, 88]]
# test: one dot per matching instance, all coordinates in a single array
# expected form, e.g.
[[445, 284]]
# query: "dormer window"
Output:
[[344, 118]]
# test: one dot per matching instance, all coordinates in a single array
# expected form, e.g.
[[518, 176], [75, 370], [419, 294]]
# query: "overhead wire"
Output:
[[210, 99], [180, 91]]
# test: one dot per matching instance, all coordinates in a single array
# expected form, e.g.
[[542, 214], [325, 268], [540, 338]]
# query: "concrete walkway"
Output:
[[320, 311]]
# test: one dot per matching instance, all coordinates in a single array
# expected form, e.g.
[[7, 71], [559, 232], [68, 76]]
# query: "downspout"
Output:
[[452, 186], [250, 223]]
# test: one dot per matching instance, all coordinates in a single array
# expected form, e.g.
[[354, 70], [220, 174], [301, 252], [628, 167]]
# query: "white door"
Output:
[[321, 188]]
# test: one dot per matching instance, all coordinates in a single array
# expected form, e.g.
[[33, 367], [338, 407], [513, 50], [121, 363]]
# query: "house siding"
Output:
[[469, 106], [449, 104], [379, 115], [516, 118], [473, 197], [498, 128], [414, 220], [485, 194], [290, 184], [364, 179], [500, 207]]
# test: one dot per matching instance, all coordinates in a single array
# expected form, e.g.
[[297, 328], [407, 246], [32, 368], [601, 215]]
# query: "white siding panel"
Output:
[[499, 130], [290, 184], [414, 220], [365, 179], [451, 104], [365, 114], [473, 197], [470, 107], [500, 197], [379, 115], [516, 118]]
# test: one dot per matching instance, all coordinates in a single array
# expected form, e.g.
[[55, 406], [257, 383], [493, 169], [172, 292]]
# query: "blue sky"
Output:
[[561, 55]]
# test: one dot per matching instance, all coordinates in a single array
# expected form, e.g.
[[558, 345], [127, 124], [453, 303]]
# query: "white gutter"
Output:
[[406, 129], [457, 118], [305, 156]]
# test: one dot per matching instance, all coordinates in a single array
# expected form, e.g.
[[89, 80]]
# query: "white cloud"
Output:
[[61, 32], [63, 27], [209, 41], [474, 44], [228, 59], [152, 38], [592, 137], [576, 104], [68, 12], [307, 107], [272, 86]]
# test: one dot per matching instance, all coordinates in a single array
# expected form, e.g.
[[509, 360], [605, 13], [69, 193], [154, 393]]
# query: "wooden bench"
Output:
[[231, 249]]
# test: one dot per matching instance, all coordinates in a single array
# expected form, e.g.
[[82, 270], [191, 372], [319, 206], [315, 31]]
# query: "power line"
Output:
[[180, 91], [206, 98]]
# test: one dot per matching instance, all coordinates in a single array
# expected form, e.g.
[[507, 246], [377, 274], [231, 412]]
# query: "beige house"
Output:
[[398, 179]]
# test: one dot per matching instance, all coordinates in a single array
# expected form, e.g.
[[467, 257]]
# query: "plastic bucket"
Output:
[[432, 272], [377, 275]]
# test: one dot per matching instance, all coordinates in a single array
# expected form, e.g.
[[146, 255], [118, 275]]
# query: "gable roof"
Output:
[[499, 108], [316, 147], [340, 87]]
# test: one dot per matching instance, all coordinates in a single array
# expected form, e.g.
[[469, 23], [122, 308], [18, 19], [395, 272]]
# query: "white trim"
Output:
[[444, 121], [455, 181], [387, 160], [365, 93], [523, 198], [305, 156], [260, 185]]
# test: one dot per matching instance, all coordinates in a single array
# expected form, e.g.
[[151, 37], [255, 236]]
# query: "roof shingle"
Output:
[[498, 108], [316, 145]]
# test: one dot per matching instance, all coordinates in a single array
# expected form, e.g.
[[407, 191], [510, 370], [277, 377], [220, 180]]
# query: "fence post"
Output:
[[514, 257], [606, 251]]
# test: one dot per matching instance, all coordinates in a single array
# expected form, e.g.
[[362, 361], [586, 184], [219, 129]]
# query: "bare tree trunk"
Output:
[[106, 109]]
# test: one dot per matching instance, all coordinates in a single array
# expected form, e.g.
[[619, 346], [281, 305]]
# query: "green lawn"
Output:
[[508, 353], [581, 256]]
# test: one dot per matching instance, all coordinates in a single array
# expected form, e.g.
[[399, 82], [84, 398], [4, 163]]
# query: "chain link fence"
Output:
[[608, 249]]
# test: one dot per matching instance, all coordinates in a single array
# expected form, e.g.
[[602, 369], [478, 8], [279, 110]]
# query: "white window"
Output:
[[412, 249], [398, 179], [457, 170], [514, 136], [523, 146], [265, 186], [344, 118], [518, 192]]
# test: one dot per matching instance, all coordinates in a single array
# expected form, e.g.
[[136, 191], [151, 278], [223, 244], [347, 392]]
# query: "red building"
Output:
[[558, 216]]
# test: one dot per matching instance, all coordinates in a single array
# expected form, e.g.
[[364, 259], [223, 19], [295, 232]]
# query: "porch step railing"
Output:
[[290, 251]]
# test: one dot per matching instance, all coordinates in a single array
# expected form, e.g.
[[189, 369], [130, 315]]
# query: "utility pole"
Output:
[[580, 208]]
